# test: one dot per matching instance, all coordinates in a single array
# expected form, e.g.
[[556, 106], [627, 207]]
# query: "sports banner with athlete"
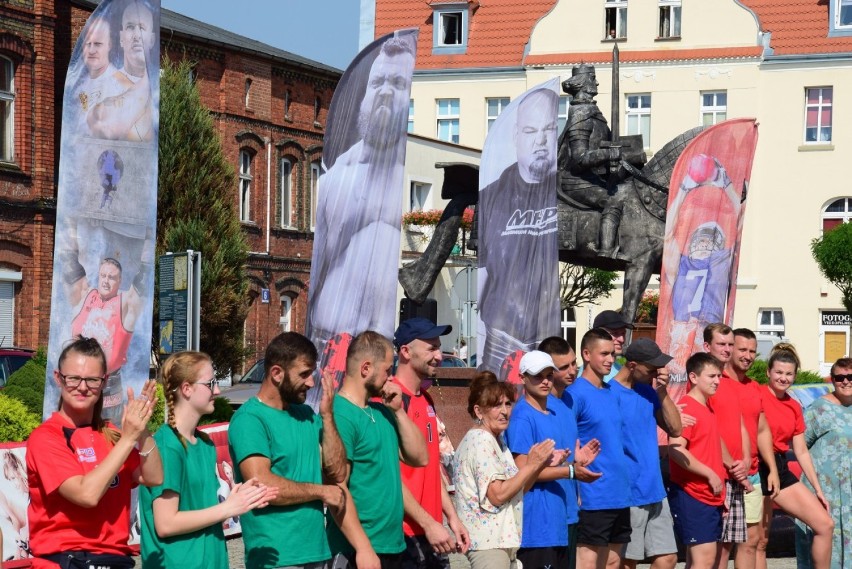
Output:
[[517, 232], [355, 259], [704, 224], [103, 267]]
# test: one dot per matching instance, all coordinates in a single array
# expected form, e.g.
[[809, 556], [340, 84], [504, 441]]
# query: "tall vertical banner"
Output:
[[704, 225], [518, 247], [359, 211], [103, 265]]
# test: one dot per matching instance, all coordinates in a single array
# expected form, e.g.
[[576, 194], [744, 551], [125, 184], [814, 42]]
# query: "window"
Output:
[[639, 117], [770, 321], [670, 18], [842, 13], [410, 115], [287, 96], [493, 109], [286, 193], [419, 196], [317, 108], [315, 178], [448, 120], [7, 109], [569, 326], [837, 212], [449, 32], [245, 185], [562, 112], [714, 107], [615, 17], [818, 114], [286, 308], [248, 92], [7, 313]]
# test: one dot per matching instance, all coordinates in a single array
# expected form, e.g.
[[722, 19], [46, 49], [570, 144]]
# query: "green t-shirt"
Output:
[[191, 473], [372, 446], [277, 536]]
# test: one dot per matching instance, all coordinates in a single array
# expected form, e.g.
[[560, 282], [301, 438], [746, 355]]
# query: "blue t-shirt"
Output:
[[546, 502], [639, 432], [598, 417]]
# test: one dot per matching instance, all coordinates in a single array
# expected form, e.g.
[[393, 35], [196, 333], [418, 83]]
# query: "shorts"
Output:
[[493, 558], [733, 520], [419, 554], [652, 533], [602, 527], [754, 501], [786, 477], [572, 546], [543, 557], [694, 521], [347, 561], [316, 565]]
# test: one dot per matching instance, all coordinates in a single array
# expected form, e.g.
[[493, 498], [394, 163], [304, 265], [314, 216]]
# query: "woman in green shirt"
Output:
[[182, 518]]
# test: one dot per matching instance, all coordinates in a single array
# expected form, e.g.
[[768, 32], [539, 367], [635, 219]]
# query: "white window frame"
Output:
[[562, 112], [619, 9], [244, 196], [672, 28], [501, 102], [286, 320], [7, 120], [838, 9], [8, 279], [410, 127], [820, 106], [440, 15], [713, 110], [419, 195], [286, 167], [774, 328], [843, 216], [316, 172], [448, 119], [637, 114]]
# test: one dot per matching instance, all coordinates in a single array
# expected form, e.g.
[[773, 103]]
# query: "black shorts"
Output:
[[602, 527], [786, 477], [543, 557]]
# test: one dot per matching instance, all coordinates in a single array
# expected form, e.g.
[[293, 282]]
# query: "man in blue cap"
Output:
[[418, 344]]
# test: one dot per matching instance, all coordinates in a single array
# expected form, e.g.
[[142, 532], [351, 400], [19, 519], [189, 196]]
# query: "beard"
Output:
[[541, 167], [373, 387], [290, 393], [380, 126]]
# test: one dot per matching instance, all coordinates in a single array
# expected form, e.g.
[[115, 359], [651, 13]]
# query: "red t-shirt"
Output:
[[752, 406], [424, 482], [56, 451], [702, 440], [784, 417], [726, 405]]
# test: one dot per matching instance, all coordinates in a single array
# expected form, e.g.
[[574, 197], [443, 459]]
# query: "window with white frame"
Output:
[[286, 309], [837, 212], [842, 13], [248, 92], [419, 199], [669, 18], [450, 28], [410, 115], [286, 198], [493, 108], [315, 178], [7, 109], [562, 112], [7, 313], [448, 120], [714, 107], [615, 19], [639, 117], [818, 114], [245, 185], [770, 321]]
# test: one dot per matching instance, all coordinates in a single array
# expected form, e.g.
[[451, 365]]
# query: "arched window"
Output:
[[837, 212], [245, 185], [248, 92], [7, 109], [315, 178], [286, 309], [286, 197]]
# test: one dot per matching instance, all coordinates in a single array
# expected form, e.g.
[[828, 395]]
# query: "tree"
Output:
[[580, 285], [196, 210], [833, 254]]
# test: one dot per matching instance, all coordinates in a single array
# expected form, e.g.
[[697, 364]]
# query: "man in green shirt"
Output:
[[376, 436], [276, 438]]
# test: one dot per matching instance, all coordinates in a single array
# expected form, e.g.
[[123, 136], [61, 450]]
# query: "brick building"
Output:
[[269, 106]]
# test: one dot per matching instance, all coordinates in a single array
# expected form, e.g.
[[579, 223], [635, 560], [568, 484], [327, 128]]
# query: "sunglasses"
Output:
[[841, 378]]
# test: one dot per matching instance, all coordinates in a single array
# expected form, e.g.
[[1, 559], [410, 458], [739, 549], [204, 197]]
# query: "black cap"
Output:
[[611, 320], [646, 351], [419, 329]]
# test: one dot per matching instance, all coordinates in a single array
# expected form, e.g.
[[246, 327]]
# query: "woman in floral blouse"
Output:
[[489, 487]]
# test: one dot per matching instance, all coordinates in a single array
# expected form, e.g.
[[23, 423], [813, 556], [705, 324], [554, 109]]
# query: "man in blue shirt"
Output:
[[614, 323]]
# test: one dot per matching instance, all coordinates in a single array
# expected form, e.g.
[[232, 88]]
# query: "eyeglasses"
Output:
[[212, 384], [73, 381], [841, 378]]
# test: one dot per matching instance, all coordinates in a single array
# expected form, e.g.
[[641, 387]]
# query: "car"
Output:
[[11, 360], [246, 387]]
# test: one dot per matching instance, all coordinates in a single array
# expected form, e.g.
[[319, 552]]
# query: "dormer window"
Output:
[[840, 14], [450, 25]]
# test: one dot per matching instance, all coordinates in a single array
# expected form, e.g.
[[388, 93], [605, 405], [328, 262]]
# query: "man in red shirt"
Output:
[[719, 343], [426, 501]]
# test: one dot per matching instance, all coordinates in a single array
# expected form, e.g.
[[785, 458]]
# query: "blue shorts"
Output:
[[694, 521]]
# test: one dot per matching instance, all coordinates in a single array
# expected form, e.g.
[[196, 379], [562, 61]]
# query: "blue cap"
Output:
[[419, 329]]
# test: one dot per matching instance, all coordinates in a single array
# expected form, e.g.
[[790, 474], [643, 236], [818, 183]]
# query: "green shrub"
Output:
[[757, 372], [808, 376], [27, 386], [40, 357], [222, 412], [158, 417], [16, 421]]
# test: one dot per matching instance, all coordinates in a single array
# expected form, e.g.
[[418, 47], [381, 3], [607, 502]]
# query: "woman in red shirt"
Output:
[[787, 425]]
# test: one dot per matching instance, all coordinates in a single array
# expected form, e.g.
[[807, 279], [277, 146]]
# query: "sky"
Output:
[[323, 30]]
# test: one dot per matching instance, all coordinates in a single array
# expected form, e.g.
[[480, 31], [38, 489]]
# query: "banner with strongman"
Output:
[[103, 266], [359, 211], [701, 247], [517, 232]]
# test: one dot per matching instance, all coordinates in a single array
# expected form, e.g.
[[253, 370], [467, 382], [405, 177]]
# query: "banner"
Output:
[[103, 265], [359, 212], [518, 247], [702, 240]]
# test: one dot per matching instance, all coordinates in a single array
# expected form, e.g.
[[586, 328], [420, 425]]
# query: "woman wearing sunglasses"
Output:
[[182, 517], [81, 469]]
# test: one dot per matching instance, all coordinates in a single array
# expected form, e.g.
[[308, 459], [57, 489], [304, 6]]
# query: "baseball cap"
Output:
[[535, 361], [419, 329], [646, 351], [611, 320]]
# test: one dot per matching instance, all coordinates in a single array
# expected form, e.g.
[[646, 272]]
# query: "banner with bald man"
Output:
[[103, 268], [518, 248], [359, 211]]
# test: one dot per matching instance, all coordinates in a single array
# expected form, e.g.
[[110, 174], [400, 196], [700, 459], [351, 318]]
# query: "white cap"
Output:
[[535, 361]]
